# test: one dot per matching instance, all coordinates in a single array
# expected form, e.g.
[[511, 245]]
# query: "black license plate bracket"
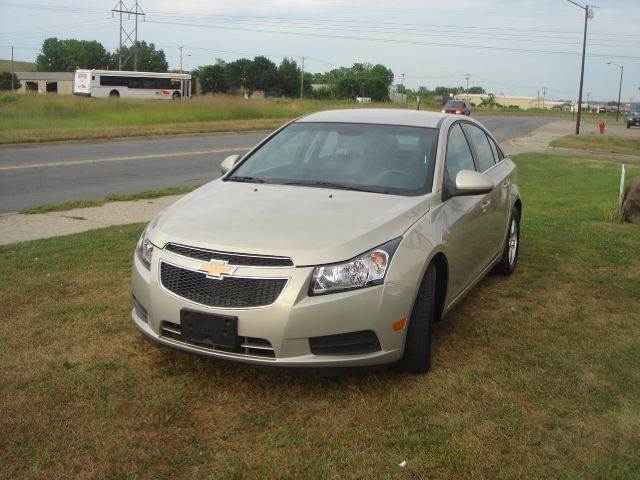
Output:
[[209, 329]]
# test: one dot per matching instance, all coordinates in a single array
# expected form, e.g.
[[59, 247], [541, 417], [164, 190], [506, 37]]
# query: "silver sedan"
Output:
[[336, 242]]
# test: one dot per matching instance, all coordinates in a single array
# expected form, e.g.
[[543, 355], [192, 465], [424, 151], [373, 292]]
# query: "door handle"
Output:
[[506, 184], [485, 205]]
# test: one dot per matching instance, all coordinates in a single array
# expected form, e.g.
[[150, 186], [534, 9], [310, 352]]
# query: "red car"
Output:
[[459, 107]]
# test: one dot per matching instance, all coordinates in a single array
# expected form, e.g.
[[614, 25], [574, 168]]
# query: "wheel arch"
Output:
[[442, 283], [518, 206]]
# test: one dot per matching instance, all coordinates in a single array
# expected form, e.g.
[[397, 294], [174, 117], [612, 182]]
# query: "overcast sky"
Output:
[[515, 47]]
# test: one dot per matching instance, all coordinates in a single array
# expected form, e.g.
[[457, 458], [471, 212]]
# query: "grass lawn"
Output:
[[535, 376], [599, 143], [118, 197]]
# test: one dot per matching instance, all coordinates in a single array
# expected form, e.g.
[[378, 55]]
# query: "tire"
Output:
[[417, 344], [114, 94], [509, 259], [175, 96]]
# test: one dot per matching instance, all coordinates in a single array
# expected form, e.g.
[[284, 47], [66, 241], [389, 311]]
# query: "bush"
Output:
[[8, 97]]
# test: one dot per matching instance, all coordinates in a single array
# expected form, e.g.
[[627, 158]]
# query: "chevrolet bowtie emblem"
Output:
[[216, 269]]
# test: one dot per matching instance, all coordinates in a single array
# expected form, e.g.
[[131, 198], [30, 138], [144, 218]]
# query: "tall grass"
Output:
[[43, 118], [78, 112]]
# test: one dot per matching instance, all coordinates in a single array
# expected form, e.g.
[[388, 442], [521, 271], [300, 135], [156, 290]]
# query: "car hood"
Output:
[[311, 225]]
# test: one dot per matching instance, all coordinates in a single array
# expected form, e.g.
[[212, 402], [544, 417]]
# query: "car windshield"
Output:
[[387, 159], [455, 104]]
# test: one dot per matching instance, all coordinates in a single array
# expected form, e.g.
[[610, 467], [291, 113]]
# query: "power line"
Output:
[[320, 21], [393, 41]]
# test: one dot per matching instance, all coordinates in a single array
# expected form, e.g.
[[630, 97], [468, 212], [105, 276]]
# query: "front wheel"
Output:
[[417, 345], [509, 259], [175, 96]]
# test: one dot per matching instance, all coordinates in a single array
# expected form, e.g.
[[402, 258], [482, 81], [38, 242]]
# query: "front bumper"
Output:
[[279, 334]]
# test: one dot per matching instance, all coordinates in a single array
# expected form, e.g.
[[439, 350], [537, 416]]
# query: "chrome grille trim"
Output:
[[238, 259]]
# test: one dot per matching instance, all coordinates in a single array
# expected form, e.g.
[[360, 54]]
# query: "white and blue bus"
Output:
[[145, 85]]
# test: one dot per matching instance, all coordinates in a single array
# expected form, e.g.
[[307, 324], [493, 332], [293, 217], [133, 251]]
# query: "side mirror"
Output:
[[469, 182], [228, 163]]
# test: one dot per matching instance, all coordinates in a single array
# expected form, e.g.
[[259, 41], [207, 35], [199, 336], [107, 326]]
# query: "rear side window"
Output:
[[458, 153], [496, 150], [480, 142]]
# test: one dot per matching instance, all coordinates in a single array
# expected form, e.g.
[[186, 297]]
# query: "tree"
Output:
[[149, 59], [238, 75], [68, 55], [376, 88], [264, 74], [383, 73], [5, 81], [289, 78], [477, 90], [213, 78]]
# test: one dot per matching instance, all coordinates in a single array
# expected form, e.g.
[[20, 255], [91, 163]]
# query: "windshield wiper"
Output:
[[246, 179], [324, 184]]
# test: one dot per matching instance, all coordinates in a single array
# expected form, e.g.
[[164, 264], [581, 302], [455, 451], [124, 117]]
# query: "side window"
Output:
[[480, 142], [458, 153], [496, 151]]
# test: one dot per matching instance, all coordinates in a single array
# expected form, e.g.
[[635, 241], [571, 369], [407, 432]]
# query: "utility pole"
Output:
[[402, 87], [621, 67], [588, 13], [136, 11], [13, 73], [302, 79], [544, 94]]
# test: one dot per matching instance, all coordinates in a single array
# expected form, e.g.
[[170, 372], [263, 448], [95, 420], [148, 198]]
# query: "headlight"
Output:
[[366, 270], [144, 249]]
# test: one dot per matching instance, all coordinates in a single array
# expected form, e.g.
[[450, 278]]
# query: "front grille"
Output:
[[229, 292], [352, 343], [250, 346], [232, 258]]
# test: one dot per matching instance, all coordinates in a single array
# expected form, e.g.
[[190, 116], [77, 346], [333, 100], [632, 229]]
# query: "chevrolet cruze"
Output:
[[334, 243]]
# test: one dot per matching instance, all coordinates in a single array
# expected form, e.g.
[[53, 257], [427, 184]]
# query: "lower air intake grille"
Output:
[[229, 292], [352, 343], [249, 346]]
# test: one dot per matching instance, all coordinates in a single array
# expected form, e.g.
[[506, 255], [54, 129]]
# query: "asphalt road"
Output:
[[56, 173]]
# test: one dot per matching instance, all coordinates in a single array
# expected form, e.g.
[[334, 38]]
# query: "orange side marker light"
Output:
[[399, 324]]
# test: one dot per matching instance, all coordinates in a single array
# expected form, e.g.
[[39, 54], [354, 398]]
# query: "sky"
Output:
[[511, 47]]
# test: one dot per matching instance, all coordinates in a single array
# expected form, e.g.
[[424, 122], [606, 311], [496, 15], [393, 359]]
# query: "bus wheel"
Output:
[[176, 96], [114, 94]]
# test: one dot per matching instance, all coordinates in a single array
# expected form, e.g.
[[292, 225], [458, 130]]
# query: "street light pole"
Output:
[[467, 77], [621, 67], [587, 11]]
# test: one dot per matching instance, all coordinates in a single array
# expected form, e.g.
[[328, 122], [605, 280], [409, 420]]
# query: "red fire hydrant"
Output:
[[601, 127]]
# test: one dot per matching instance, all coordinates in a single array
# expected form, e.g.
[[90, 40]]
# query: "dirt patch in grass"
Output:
[[535, 376]]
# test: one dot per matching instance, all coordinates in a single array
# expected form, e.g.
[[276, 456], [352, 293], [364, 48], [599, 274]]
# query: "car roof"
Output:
[[382, 116]]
